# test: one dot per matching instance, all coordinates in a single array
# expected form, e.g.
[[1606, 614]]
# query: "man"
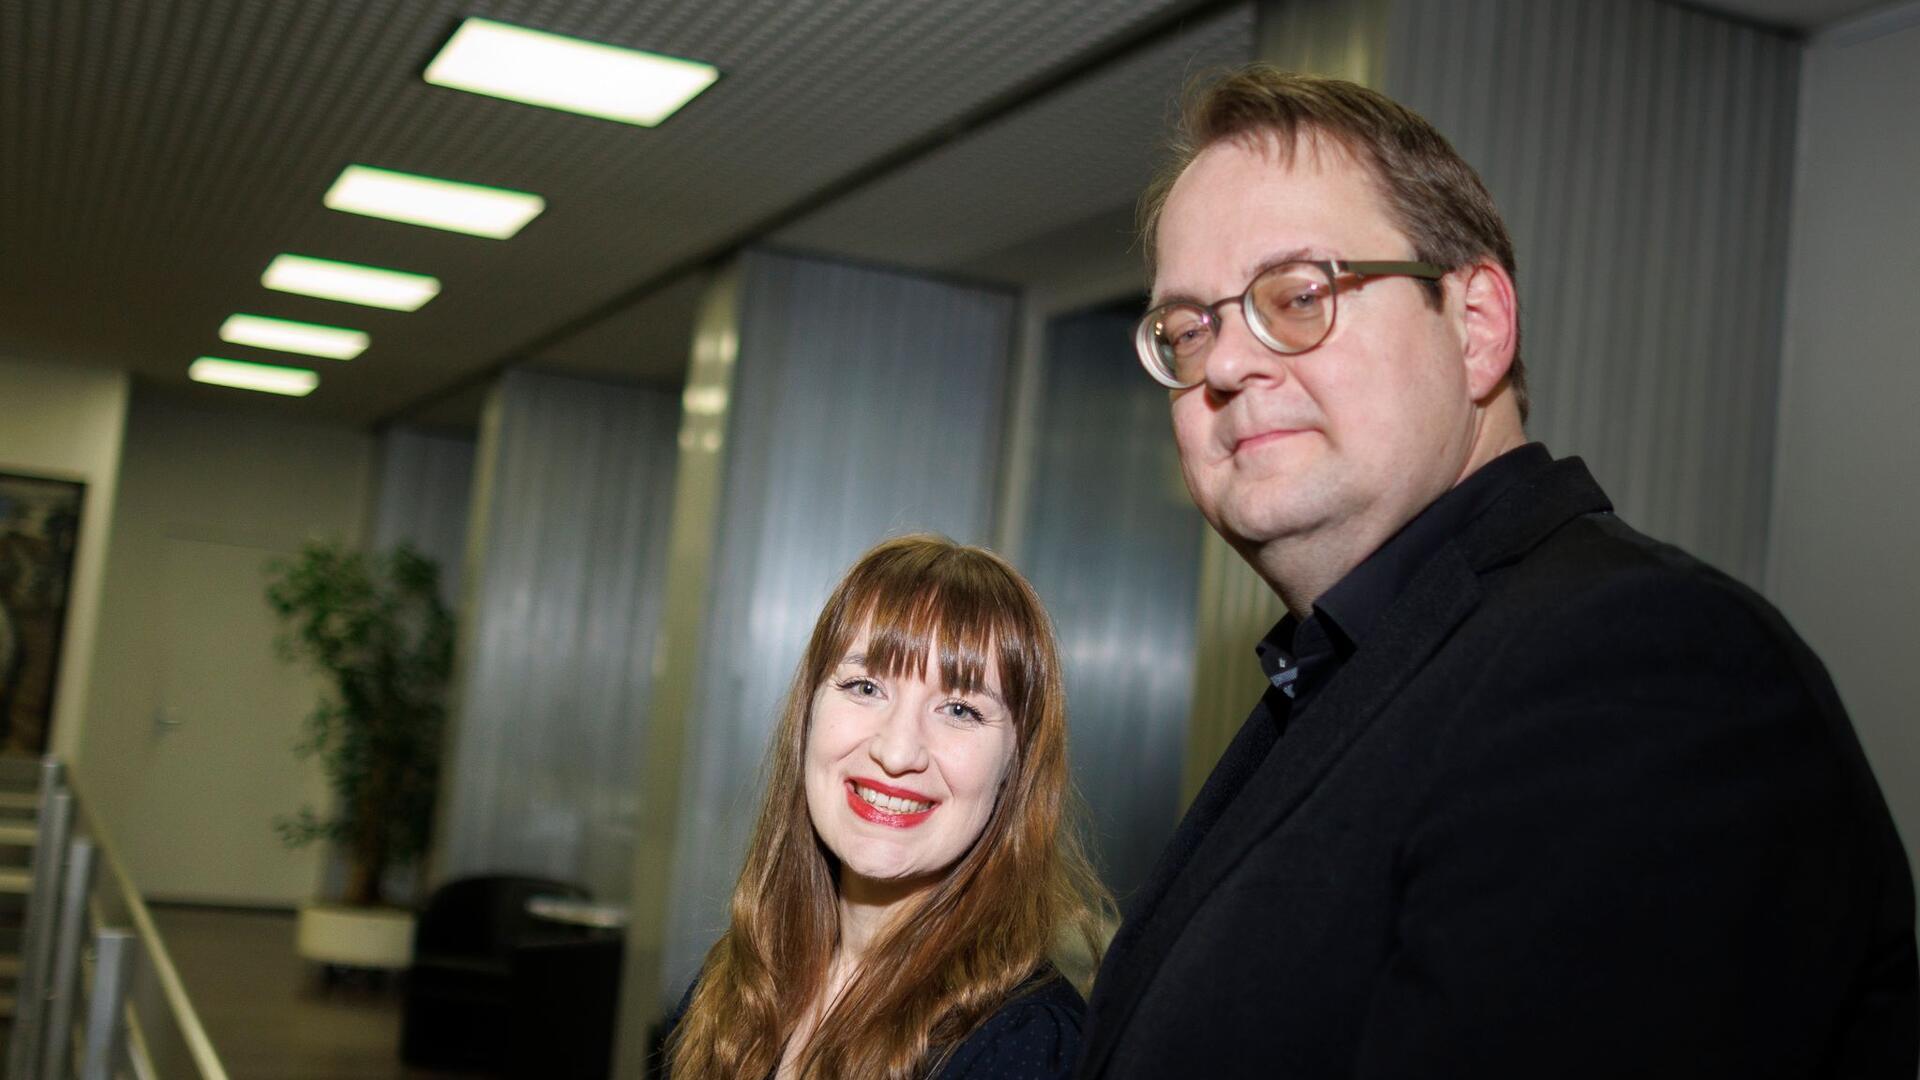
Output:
[[1530, 795]]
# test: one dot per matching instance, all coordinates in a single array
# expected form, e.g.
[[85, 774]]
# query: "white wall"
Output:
[[1844, 562], [188, 745], [66, 423]]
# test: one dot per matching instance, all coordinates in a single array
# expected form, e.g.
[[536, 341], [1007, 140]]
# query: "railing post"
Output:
[[113, 952], [36, 943], [58, 1042]]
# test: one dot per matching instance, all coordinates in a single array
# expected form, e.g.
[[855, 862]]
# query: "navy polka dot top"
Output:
[[1034, 1036]]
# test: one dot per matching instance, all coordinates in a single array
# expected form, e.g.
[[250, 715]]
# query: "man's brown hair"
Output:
[[1430, 194]]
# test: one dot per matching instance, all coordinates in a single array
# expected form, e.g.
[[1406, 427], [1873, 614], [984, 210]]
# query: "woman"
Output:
[[909, 871]]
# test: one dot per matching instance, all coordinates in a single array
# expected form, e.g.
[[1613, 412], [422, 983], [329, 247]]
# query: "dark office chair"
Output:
[[459, 1006], [567, 995]]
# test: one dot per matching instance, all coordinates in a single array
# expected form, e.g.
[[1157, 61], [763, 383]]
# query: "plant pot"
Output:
[[360, 937]]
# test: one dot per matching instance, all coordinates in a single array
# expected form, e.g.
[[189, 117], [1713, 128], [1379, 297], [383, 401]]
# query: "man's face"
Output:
[[1348, 440]]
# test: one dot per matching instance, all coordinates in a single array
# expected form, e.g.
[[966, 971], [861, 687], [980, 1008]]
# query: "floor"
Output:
[[272, 1016]]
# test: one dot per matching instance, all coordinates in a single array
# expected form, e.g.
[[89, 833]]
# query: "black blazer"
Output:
[[1579, 806]]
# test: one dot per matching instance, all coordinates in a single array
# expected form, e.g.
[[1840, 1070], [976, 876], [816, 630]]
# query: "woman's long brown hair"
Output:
[[940, 969]]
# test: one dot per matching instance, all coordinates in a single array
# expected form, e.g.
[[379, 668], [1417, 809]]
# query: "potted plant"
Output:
[[374, 627]]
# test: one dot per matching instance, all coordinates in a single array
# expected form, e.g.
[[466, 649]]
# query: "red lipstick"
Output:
[[866, 811]]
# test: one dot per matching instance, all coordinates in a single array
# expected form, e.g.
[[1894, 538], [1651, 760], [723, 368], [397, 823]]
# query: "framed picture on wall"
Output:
[[39, 530]]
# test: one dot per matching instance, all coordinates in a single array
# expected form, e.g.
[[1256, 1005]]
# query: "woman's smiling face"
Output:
[[902, 773]]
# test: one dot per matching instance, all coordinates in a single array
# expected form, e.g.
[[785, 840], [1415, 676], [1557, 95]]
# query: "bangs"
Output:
[[901, 636], [962, 609]]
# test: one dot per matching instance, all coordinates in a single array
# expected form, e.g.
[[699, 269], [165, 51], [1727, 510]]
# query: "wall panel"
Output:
[[1843, 563], [865, 404], [1112, 543], [426, 483], [1640, 154], [557, 640]]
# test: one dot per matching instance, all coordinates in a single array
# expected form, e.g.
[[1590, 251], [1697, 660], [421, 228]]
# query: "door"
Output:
[[221, 765]]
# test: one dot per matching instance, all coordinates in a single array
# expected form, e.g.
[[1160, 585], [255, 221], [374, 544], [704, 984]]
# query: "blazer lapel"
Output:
[[1531, 511], [1263, 782], [1236, 766], [1439, 597]]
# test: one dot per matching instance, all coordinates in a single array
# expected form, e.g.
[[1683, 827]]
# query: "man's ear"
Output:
[[1489, 324]]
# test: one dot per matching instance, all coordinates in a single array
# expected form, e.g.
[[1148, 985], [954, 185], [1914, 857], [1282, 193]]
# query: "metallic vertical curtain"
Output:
[[1345, 39], [1112, 543], [559, 634], [865, 404], [1641, 155], [425, 484]]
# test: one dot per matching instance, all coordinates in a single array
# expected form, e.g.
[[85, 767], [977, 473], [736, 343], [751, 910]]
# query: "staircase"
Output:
[[19, 831], [87, 990]]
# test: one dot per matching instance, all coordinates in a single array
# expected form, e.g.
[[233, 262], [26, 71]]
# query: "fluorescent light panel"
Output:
[[539, 68], [267, 378], [332, 342], [437, 204], [350, 282]]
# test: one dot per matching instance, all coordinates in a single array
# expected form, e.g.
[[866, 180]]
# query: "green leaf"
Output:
[[373, 625]]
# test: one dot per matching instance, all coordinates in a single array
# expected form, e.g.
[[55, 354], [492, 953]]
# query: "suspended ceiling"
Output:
[[154, 156], [1800, 15]]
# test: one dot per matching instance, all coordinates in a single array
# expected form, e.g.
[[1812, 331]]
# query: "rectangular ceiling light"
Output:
[[350, 282], [587, 77], [437, 204], [332, 342], [293, 382]]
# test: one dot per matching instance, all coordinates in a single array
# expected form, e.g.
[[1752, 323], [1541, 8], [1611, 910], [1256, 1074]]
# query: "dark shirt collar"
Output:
[[1356, 601], [1308, 649]]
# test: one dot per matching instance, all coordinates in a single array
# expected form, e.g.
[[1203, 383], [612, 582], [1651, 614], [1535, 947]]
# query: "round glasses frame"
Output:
[[1163, 361]]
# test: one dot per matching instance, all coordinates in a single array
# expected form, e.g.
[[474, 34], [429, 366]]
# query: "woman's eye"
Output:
[[861, 687], [960, 710]]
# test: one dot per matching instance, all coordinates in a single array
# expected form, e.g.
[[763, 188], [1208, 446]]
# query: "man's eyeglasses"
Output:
[[1289, 307]]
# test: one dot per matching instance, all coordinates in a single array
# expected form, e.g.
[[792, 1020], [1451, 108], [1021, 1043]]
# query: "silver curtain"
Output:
[[1112, 543], [865, 404], [1641, 155], [426, 481], [574, 501]]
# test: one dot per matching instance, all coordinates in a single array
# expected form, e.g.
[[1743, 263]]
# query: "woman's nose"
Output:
[[899, 746]]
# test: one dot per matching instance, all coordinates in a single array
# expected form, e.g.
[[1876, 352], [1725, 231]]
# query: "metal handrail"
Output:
[[159, 963], [136, 1006], [58, 1049], [107, 1017], [36, 946]]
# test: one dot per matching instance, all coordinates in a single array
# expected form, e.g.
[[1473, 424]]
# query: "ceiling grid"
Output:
[[155, 155]]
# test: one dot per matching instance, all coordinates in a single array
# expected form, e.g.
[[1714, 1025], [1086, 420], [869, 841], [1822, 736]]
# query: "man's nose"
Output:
[[900, 745], [1238, 355]]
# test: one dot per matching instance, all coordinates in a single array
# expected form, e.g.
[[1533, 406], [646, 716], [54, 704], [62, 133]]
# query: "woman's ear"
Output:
[[1488, 320]]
